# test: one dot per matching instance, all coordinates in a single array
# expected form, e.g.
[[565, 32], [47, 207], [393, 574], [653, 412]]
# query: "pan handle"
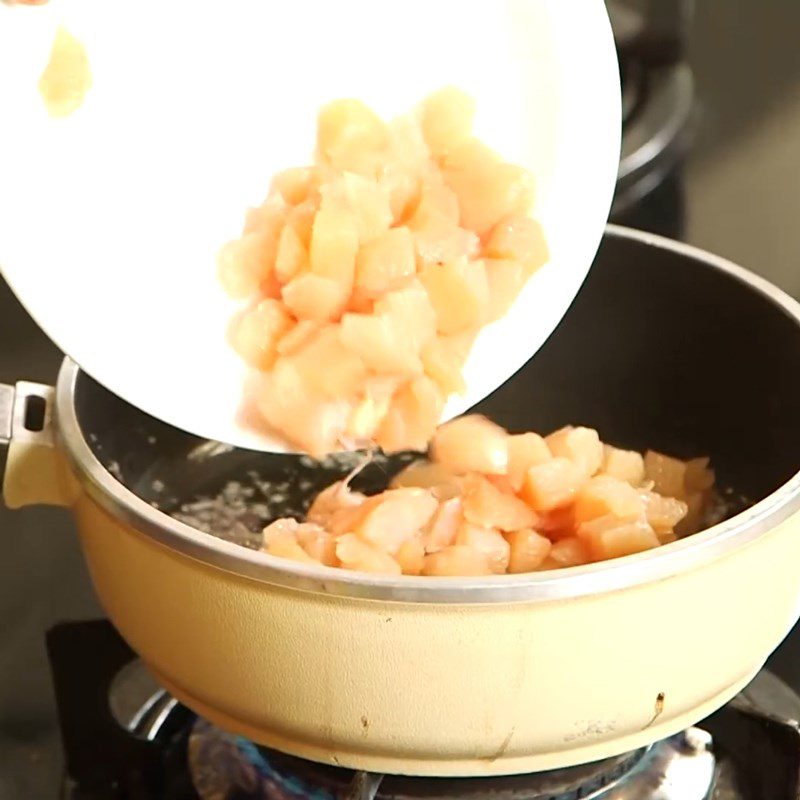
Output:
[[34, 471]]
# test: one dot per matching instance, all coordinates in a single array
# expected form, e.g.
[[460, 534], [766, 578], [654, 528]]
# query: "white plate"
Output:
[[110, 219]]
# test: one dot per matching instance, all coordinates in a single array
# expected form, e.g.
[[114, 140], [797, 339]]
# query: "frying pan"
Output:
[[665, 347]]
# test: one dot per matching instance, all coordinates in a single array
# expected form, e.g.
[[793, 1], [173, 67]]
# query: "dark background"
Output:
[[743, 202], [743, 177]]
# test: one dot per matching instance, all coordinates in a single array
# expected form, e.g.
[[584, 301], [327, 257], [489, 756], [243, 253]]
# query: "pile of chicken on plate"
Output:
[[368, 274]]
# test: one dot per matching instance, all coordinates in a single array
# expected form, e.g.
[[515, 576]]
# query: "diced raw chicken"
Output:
[[527, 550], [411, 556], [380, 344], [570, 551], [365, 201], [407, 147], [437, 206], [441, 480], [380, 236], [501, 483], [401, 173], [610, 537], [360, 303], [443, 358], [335, 498], [411, 312], [668, 474], [256, 333], [291, 550], [443, 527], [394, 516], [301, 218], [695, 509], [356, 554], [438, 238], [443, 365], [471, 443], [344, 372], [487, 506], [604, 495], [558, 523], [350, 135], [281, 539], [345, 520], [698, 476], [244, 264], [547, 565], [282, 528], [403, 188], [582, 446], [627, 465], [266, 219], [367, 416], [385, 262], [306, 419], [488, 190], [489, 542], [552, 484], [447, 117], [299, 335], [295, 183], [663, 513], [334, 246], [457, 560], [441, 520], [525, 450], [313, 297], [318, 543], [505, 278], [412, 415], [444, 243], [459, 294], [520, 239], [292, 256]]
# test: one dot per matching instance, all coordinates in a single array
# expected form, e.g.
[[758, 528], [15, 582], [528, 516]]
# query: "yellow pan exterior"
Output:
[[442, 689]]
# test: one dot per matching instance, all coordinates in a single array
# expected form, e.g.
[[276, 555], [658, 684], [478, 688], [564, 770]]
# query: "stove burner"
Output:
[[126, 739], [225, 766]]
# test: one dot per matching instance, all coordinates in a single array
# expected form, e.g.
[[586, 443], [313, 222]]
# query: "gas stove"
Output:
[[125, 738]]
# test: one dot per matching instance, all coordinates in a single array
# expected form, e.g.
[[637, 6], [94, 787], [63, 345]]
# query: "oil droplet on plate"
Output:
[[66, 78]]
